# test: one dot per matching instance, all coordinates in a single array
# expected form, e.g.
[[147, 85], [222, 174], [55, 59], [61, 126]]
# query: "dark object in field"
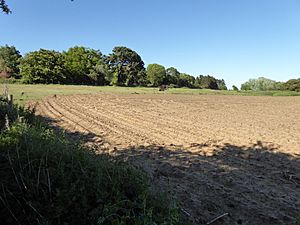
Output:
[[54, 96], [162, 87]]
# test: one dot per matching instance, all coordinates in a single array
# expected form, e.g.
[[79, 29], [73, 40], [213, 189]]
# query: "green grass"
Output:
[[38, 91], [47, 179]]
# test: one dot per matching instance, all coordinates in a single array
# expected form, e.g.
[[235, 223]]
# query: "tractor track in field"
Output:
[[142, 124]]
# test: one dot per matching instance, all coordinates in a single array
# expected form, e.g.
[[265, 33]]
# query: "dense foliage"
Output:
[[45, 179], [122, 67], [292, 85], [265, 84], [206, 82], [221, 84], [11, 113], [80, 64], [127, 67], [261, 84], [156, 74], [43, 66], [186, 80], [172, 76], [9, 60]]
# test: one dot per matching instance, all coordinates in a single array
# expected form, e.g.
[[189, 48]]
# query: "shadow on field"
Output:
[[247, 184], [254, 185], [74, 135]]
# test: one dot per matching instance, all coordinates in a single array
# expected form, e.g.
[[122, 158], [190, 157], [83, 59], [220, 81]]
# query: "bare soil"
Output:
[[217, 154]]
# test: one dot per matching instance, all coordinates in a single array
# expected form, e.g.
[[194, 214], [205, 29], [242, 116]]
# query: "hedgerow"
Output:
[[46, 179]]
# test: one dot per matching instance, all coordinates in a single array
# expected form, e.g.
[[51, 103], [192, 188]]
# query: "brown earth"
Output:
[[217, 154]]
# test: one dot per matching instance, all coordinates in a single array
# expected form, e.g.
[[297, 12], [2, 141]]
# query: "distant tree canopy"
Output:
[[210, 82], [123, 67], [206, 82], [186, 80], [43, 66], [172, 76], [82, 66], [100, 74], [9, 60], [221, 84], [261, 84], [156, 74], [292, 85], [126, 66]]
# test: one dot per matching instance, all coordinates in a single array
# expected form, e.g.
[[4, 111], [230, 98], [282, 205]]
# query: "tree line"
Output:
[[86, 66], [265, 84]]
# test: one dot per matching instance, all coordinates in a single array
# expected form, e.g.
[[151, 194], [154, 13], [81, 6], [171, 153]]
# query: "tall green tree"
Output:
[[100, 74], [172, 76], [292, 85], [221, 84], [156, 74], [127, 67], [260, 84], [80, 63], [43, 66], [206, 82], [186, 80], [10, 60]]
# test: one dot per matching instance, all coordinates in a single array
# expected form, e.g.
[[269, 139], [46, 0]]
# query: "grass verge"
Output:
[[45, 179]]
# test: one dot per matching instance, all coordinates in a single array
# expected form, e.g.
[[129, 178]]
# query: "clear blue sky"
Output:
[[231, 39]]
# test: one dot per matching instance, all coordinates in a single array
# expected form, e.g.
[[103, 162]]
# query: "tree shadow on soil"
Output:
[[88, 138], [256, 184], [253, 184]]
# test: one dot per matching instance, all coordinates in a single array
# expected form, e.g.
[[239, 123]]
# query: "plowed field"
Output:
[[218, 154]]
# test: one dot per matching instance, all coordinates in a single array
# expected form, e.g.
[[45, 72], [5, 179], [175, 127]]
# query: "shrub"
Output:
[[43, 66], [46, 179], [292, 85], [162, 87], [186, 80], [221, 84], [172, 77], [84, 66], [207, 82], [172, 86], [260, 84], [10, 113], [156, 74]]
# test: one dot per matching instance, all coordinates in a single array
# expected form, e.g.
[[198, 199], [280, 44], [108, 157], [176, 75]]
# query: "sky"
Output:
[[230, 39]]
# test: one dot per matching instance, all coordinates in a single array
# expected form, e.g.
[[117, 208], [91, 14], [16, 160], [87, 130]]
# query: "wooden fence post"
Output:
[[10, 99]]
